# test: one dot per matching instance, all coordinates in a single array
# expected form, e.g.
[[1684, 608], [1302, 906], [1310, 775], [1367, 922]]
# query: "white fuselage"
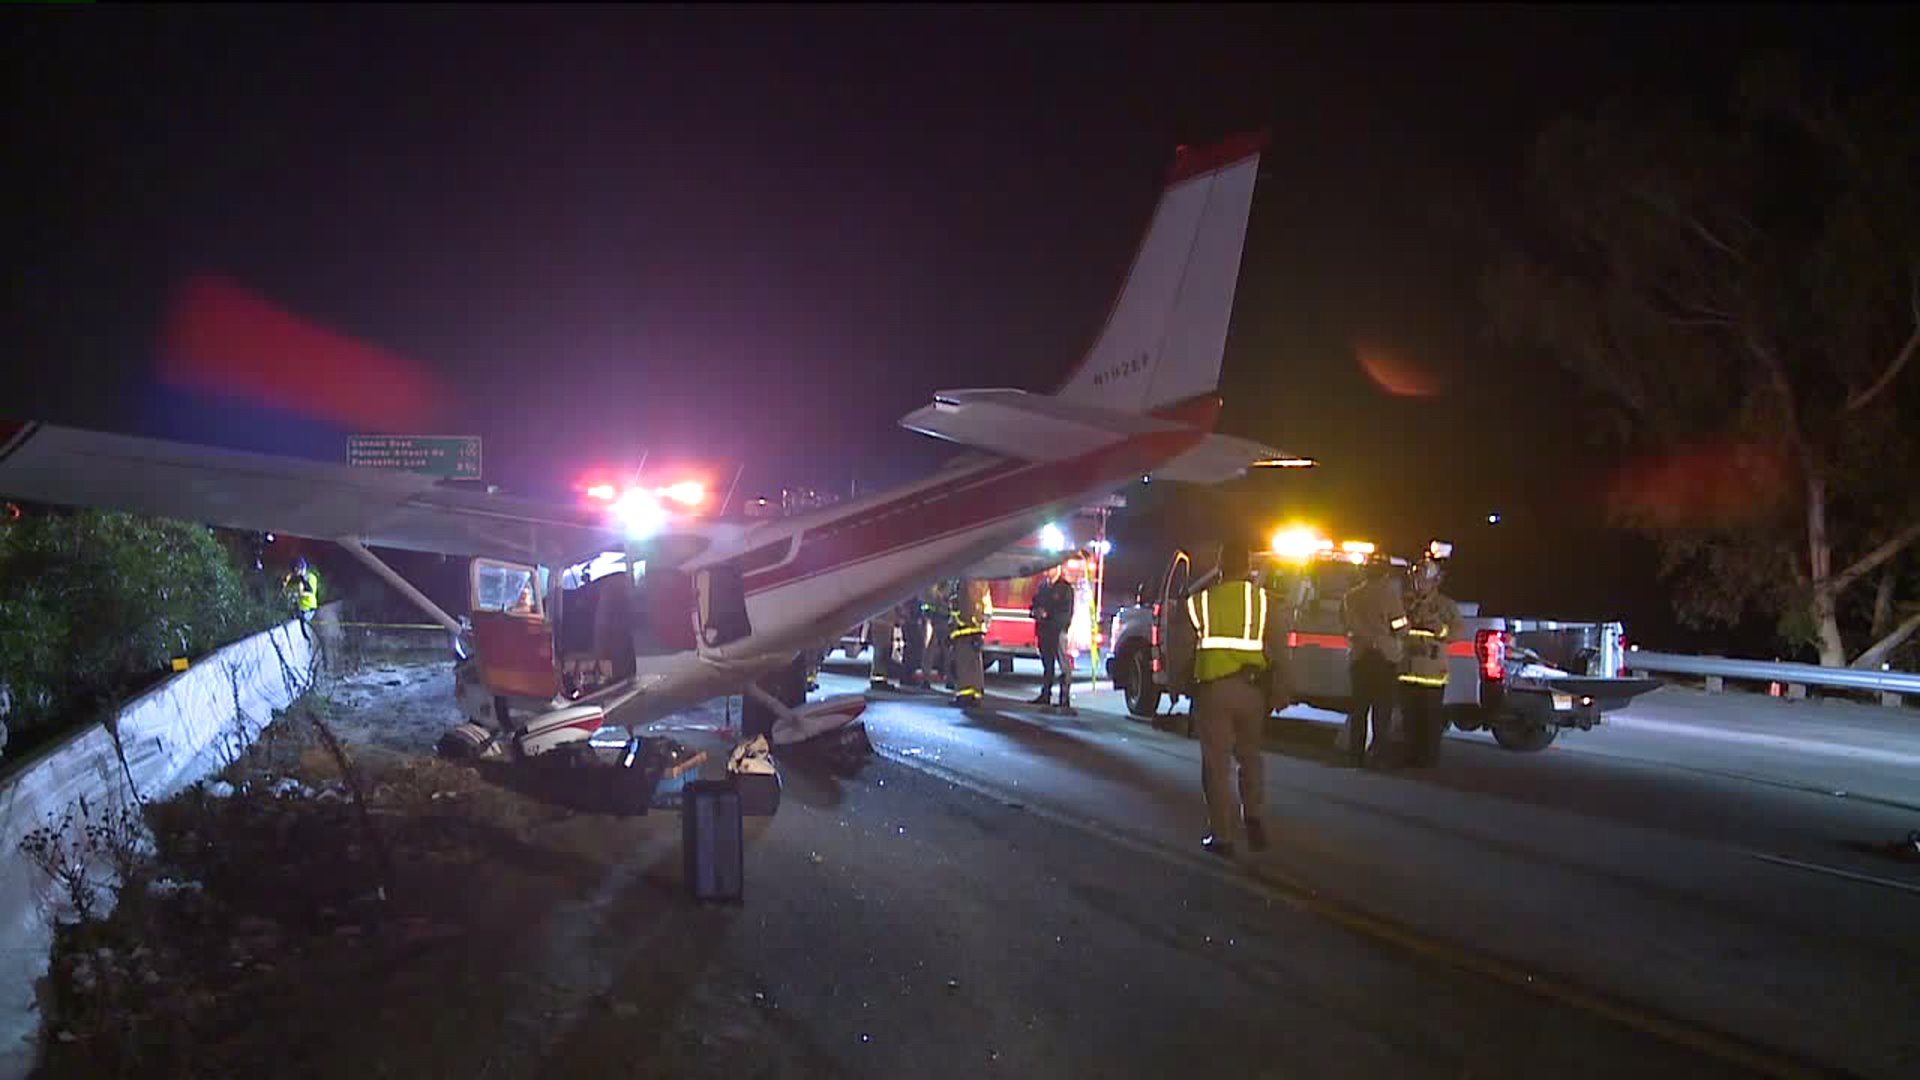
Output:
[[814, 576]]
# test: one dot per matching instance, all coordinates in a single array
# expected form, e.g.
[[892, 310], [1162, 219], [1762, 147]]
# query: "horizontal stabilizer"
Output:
[[1216, 460], [1030, 427]]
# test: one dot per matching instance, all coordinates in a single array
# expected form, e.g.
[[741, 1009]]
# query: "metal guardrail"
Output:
[[1886, 683]]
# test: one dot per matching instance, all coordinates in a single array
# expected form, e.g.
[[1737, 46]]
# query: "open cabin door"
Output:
[[512, 637], [722, 605], [1177, 636]]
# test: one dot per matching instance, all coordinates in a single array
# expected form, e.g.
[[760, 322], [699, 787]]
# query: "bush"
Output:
[[94, 604]]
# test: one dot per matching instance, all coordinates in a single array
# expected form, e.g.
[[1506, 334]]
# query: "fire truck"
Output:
[[1077, 544], [1523, 679]]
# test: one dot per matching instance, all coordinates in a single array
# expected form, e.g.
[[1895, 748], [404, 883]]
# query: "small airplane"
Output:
[[705, 608]]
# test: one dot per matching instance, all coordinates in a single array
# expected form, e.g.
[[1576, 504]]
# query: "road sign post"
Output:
[[450, 457]]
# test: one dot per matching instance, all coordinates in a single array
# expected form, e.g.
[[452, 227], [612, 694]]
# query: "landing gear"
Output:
[[788, 686]]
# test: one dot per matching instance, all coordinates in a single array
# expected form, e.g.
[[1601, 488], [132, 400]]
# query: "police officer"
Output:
[[970, 615], [1433, 619], [1376, 620], [1052, 612], [1232, 621]]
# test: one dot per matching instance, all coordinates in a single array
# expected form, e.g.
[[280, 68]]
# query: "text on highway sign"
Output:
[[452, 457]]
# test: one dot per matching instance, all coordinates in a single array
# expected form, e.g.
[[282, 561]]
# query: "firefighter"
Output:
[[1375, 621], [1433, 618], [972, 607], [880, 633], [1052, 611], [1232, 668]]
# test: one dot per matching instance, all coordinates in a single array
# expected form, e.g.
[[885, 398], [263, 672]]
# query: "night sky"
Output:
[[763, 234]]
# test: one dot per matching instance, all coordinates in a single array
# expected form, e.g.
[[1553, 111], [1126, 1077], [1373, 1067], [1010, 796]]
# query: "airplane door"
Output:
[[722, 605], [1177, 636], [513, 641]]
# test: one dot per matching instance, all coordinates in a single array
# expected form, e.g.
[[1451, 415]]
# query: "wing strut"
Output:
[[392, 577]]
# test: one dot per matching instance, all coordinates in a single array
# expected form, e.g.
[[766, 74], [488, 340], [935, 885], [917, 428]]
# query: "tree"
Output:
[[97, 602], [1740, 288]]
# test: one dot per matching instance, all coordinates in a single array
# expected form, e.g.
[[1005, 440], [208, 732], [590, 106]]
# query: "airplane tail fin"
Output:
[[1167, 331], [1156, 364]]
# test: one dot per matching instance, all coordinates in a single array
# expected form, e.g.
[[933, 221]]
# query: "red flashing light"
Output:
[[687, 492], [602, 492], [1293, 639], [1490, 647]]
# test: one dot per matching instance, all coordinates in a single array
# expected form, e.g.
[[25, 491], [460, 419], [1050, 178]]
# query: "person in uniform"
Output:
[[970, 615], [913, 640], [1375, 621], [302, 587], [1433, 620], [1232, 666], [934, 665], [1052, 611], [880, 634]]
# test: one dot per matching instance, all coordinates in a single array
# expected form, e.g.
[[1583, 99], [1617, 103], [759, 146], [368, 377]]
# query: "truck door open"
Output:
[[1177, 642], [513, 641]]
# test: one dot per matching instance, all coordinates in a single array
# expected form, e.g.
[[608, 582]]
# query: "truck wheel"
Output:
[[1523, 736], [1464, 717], [1142, 693]]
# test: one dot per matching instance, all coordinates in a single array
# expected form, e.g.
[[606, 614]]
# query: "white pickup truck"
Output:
[[1525, 679]]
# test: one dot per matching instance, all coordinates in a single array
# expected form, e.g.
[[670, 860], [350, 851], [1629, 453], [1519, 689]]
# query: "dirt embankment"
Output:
[[341, 903]]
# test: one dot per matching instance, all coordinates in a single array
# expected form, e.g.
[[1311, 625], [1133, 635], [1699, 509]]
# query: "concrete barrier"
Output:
[[182, 730]]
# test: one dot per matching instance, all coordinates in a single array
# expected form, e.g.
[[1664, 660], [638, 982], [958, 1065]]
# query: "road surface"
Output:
[[1020, 894], [1687, 868]]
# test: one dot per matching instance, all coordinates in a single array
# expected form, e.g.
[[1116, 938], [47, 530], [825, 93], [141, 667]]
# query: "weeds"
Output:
[[85, 853]]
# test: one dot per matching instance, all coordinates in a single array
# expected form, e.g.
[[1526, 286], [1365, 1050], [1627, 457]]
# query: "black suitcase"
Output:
[[712, 842]]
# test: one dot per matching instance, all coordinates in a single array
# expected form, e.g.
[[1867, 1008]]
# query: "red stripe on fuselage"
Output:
[[992, 493]]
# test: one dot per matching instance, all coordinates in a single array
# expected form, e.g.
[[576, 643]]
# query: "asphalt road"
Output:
[[1017, 893], [1687, 869]]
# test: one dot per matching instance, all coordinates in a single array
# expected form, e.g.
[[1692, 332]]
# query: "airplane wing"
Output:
[[269, 493]]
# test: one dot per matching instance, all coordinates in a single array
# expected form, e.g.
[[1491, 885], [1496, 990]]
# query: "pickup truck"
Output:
[[1526, 680]]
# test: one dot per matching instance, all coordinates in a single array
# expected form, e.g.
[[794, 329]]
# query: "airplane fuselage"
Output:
[[806, 579]]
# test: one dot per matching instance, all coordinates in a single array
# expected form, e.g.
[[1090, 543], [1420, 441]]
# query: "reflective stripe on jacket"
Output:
[[1231, 621], [1434, 619]]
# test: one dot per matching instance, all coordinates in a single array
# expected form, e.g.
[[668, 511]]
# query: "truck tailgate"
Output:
[[1607, 694]]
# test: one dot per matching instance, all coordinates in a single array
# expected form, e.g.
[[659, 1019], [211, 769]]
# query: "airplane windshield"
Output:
[[499, 587]]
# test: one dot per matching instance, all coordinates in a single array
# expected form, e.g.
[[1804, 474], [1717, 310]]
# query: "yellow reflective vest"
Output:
[[1230, 621], [304, 589]]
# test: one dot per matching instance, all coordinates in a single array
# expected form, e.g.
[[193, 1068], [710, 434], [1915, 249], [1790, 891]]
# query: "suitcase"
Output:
[[712, 841]]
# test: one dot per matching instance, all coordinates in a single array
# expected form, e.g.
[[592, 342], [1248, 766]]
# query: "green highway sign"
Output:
[[451, 457]]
